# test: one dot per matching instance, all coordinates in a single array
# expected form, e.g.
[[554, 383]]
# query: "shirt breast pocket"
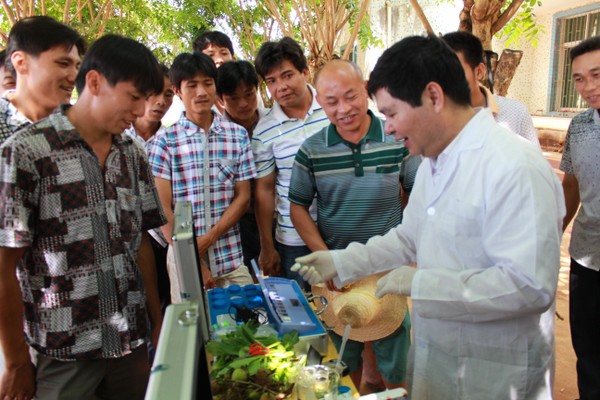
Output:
[[130, 212], [227, 171]]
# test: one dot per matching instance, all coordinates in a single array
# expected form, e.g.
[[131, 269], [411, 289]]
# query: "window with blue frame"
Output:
[[570, 28]]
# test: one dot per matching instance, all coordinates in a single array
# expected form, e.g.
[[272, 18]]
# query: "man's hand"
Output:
[[269, 261], [398, 281], [207, 278], [331, 286], [204, 242], [18, 381], [316, 267]]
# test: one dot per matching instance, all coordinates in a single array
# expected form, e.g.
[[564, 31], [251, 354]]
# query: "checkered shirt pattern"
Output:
[[82, 291], [11, 120], [179, 154]]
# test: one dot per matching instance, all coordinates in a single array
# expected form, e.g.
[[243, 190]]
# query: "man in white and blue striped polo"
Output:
[[295, 116]]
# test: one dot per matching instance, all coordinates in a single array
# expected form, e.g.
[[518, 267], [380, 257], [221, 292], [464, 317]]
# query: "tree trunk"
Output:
[[483, 30], [505, 70], [464, 17]]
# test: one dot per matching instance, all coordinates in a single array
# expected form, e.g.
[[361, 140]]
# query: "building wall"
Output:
[[531, 83], [404, 22]]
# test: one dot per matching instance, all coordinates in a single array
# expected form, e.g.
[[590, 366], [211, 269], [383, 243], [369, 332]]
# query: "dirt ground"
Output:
[[565, 384]]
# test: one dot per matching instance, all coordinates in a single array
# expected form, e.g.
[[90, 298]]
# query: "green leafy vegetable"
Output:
[[247, 366]]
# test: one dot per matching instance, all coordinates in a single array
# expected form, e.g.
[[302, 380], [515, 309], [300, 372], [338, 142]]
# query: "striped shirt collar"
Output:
[[278, 113], [374, 133]]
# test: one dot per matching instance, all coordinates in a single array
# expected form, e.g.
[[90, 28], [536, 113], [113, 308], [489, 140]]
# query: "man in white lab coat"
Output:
[[483, 225]]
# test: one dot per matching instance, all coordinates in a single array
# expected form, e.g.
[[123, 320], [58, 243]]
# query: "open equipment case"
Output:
[[180, 368]]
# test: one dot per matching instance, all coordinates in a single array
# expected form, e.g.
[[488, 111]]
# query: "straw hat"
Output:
[[370, 318]]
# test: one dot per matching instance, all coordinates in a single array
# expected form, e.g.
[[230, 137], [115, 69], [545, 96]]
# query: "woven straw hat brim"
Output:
[[387, 318]]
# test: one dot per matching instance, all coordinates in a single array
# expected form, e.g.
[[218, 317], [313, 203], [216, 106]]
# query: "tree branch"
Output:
[[29, 7], [66, 18], [79, 10], [355, 29], [18, 10], [421, 15], [465, 23], [506, 16], [8, 12]]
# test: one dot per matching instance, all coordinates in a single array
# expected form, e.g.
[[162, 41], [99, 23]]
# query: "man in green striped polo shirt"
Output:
[[357, 175]]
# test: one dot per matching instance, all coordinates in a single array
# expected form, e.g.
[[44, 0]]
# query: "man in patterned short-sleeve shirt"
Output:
[[77, 197], [581, 184]]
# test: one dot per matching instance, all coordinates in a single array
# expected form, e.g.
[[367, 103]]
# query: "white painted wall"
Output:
[[531, 83], [532, 79]]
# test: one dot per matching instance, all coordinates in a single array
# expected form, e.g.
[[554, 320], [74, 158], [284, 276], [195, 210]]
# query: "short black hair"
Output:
[[37, 34], [272, 54], [2, 57], [468, 44], [164, 70], [233, 73], [587, 46], [121, 59], [212, 37], [409, 65], [187, 65]]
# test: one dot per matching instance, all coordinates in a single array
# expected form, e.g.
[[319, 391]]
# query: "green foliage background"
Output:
[[169, 26]]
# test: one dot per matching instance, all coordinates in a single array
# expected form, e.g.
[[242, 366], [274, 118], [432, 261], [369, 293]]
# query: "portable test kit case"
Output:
[[222, 304]]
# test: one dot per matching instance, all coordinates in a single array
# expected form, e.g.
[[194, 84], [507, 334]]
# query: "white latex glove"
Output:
[[317, 267], [398, 281]]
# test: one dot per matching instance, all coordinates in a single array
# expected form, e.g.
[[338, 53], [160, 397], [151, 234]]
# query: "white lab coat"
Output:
[[486, 239]]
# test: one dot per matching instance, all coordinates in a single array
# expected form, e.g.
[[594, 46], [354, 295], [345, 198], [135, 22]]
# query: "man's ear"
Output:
[[306, 74], [434, 96], [480, 71], [177, 91], [93, 82], [20, 61], [220, 103], [319, 99]]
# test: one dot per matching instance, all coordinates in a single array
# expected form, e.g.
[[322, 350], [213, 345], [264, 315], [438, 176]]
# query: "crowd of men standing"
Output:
[[315, 188]]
